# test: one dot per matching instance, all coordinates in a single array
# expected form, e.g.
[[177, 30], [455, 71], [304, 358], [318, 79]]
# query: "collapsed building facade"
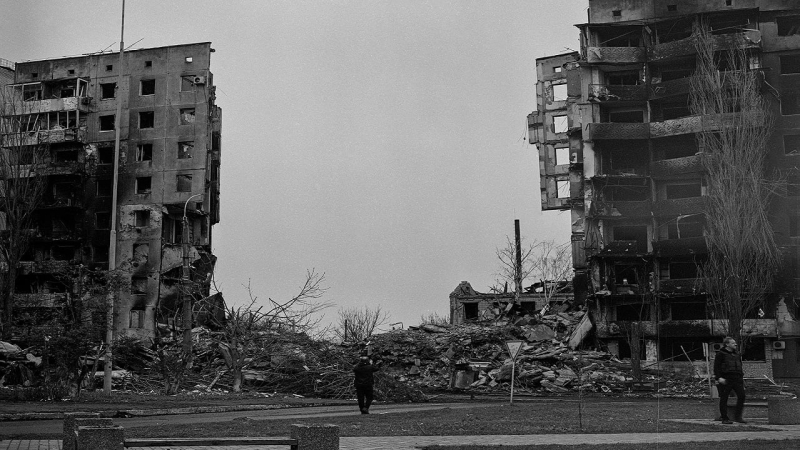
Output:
[[168, 176], [618, 148]]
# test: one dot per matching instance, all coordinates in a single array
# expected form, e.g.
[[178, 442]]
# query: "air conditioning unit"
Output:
[[779, 345], [199, 80], [716, 346]]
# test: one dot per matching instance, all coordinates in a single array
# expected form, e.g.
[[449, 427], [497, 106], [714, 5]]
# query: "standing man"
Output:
[[730, 377], [364, 382]]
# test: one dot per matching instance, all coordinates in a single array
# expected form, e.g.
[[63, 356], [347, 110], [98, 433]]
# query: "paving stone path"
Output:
[[772, 432]]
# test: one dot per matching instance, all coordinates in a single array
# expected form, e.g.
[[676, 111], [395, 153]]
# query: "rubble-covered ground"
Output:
[[417, 364]]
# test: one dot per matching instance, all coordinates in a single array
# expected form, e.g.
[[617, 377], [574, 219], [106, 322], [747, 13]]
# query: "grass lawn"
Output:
[[543, 417], [741, 445]]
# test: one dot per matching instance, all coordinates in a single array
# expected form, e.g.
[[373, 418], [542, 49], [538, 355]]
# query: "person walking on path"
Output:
[[364, 381], [730, 377]]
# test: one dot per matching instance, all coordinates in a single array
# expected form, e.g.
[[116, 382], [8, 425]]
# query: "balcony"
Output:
[[50, 105], [56, 136], [64, 168], [616, 55], [680, 206], [48, 266], [686, 47], [55, 203], [680, 247], [681, 86], [677, 166], [624, 248], [598, 131], [606, 93], [684, 328], [608, 209], [688, 286]]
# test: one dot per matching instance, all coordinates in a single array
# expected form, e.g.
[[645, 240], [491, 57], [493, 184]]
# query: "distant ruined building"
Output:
[[618, 148], [169, 166]]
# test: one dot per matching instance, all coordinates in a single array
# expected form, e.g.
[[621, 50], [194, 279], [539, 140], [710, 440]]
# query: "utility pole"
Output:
[[112, 245], [187, 298], [518, 265]]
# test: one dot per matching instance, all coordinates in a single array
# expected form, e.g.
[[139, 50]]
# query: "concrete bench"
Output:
[[73, 420], [783, 411], [109, 437]]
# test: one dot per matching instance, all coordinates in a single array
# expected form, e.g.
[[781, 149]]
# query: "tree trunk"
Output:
[[237, 379]]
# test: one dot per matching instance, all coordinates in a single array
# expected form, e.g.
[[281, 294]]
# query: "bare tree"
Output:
[[358, 324], [545, 262], [23, 180], [742, 253], [250, 332]]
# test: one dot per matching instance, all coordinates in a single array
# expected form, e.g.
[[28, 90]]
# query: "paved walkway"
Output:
[[772, 432]]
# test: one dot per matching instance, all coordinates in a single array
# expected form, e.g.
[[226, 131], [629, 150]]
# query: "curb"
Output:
[[163, 411]]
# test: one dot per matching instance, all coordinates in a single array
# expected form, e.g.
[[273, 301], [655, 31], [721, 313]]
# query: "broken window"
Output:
[[675, 111], [100, 253], [137, 318], [67, 92], [791, 144], [616, 13], [62, 253], [187, 116], [183, 183], [684, 227], [682, 270], [105, 155], [141, 253], [562, 189], [144, 152], [635, 311], [790, 64], [148, 63], [470, 311], [107, 123], [172, 230], [109, 67], [147, 119], [102, 220], [793, 186], [677, 146], [559, 92], [626, 274], [104, 188], [626, 78], [187, 83], [138, 285], [185, 150], [143, 185], [108, 90], [688, 310], [142, 218], [672, 7], [147, 87], [790, 103], [794, 226], [636, 233], [636, 116], [788, 25], [562, 156], [676, 191], [623, 193], [560, 124], [32, 92]]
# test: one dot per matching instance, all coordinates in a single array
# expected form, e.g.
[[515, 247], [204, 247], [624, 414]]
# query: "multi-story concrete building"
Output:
[[169, 160], [617, 147]]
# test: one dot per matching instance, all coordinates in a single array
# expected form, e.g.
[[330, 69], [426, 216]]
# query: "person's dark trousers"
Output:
[[364, 395], [725, 390]]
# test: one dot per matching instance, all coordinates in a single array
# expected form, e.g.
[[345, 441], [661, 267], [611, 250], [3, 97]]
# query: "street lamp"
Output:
[[187, 299]]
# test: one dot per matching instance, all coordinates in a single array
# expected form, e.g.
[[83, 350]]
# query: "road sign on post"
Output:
[[513, 350]]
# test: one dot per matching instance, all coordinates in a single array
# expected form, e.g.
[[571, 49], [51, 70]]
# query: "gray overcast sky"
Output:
[[380, 142]]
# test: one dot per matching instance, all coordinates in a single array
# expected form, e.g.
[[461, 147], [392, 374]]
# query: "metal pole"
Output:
[[187, 298], [518, 268], [112, 245], [513, 369]]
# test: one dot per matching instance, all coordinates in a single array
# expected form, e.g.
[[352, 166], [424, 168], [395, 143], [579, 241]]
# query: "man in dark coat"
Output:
[[364, 382], [730, 377]]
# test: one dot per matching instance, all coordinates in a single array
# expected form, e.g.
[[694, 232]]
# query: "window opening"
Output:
[[185, 150], [102, 220], [672, 7], [183, 183], [559, 92], [794, 226], [187, 116], [108, 90], [790, 64], [616, 13], [470, 311], [143, 185], [107, 123], [147, 87], [682, 270], [562, 188], [104, 188], [105, 155], [148, 63], [100, 253], [627, 78], [791, 144], [109, 67], [562, 156], [32, 92], [144, 152], [142, 218], [676, 191], [626, 116], [788, 25], [560, 124], [147, 119]]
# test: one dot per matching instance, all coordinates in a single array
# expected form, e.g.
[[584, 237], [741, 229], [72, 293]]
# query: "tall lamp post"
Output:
[[187, 298]]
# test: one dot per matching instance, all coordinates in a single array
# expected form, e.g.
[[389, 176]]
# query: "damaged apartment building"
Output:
[[618, 148], [168, 175]]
